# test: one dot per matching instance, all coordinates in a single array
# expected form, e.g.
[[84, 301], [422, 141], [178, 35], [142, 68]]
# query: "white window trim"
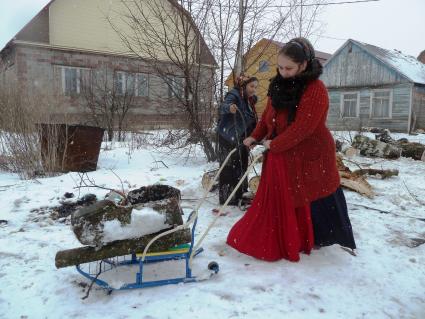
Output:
[[136, 83], [341, 108], [371, 104], [63, 68]]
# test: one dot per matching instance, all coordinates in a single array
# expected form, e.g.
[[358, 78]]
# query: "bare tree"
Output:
[[108, 96], [304, 19], [222, 31], [237, 25], [22, 132], [168, 36]]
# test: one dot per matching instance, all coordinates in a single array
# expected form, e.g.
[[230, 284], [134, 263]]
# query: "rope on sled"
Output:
[[195, 214]]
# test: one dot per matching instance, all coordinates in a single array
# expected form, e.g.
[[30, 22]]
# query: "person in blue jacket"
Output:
[[238, 119]]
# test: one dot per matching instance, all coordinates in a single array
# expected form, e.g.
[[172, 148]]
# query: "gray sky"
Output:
[[391, 24]]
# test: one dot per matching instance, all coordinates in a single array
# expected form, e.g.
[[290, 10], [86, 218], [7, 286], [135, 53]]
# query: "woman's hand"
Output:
[[266, 144], [248, 141], [233, 108]]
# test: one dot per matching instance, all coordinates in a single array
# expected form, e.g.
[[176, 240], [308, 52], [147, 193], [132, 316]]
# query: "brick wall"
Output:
[[37, 71]]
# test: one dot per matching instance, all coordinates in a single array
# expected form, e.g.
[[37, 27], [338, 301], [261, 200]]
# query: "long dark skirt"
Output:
[[331, 223], [233, 171]]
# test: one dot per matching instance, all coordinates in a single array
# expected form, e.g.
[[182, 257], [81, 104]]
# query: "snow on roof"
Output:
[[407, 65]]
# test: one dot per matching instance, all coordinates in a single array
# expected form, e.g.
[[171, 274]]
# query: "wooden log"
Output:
[[412, 150], [81, 255], [359, 185], [207, 178], [356, 183], [384, 173], [373, 129], [384, 136], [408, 149], [253, 183], [88, 223], [374, 148]]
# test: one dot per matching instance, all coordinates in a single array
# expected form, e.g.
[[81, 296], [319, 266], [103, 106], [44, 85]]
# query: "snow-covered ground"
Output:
[[385, 280]]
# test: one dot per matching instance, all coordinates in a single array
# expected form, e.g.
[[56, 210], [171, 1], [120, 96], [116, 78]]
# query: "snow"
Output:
[[144, 221], [408, 65], [385, 280]]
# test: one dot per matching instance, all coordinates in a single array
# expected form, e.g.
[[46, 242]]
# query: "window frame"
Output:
[[261, 66], [136, 83], [390, 111], [63, 69], [342, 99]]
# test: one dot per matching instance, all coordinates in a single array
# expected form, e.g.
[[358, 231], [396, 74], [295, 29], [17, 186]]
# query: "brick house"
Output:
[[67, 41]]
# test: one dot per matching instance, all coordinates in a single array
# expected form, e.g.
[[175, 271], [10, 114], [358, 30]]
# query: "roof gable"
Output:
[[405, 65]]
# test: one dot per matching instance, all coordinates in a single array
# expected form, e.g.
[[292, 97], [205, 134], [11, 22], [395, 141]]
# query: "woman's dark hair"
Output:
[[243, 82], [286, 92], [300, 50]]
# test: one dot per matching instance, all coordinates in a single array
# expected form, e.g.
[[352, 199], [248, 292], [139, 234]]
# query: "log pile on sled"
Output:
[[90, 223]]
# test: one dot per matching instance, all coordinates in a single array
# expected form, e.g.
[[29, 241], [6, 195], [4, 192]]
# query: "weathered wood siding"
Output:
[[419, 106], [399, 108], [354, 67]]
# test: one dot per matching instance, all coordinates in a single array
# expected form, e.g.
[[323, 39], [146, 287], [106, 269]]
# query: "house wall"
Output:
[[91, 25], [400, 109], [39, 73], [419, 107], [354, 67], [8, 74], [355, 70], [263, 51]]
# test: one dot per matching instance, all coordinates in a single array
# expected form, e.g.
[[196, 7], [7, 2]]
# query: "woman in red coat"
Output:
[[299, 168]]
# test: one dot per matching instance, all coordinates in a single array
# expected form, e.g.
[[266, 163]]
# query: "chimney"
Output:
[[421, 57]]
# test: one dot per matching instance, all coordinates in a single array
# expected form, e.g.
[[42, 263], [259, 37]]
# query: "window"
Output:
[[142, 84], [175, 87], [263, 66], [381, 104], [349, 104], [73, 79], [124, 83]]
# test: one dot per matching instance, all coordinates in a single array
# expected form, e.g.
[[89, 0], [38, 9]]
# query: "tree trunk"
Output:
[[412, 150], [408, 149], [81, 255], [373, 148], [88, 223], [110, 134]]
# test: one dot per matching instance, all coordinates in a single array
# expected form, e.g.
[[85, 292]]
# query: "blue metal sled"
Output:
[[181, 252]]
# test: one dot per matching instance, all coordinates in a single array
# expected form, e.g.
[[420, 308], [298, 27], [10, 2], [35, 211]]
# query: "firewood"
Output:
[[353, 182], [374, 148], [384, 173], [81, 255]]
